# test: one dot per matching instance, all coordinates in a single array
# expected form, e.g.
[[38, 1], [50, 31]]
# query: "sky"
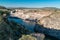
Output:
[[30, 3]]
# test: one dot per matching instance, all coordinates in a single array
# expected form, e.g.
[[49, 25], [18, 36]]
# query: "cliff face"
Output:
[[31, 13], [52, 21], [49, 18]]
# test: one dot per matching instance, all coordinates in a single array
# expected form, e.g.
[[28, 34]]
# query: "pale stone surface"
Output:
[[53, 21], [49, 19], [30, 14]]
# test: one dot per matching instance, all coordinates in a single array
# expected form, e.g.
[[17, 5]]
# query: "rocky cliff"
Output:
[[47, 17]]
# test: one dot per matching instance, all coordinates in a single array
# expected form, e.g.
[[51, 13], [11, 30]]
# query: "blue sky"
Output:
[[30, 3]]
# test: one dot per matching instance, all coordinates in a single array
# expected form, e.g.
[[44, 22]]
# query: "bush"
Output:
[[27, 37]]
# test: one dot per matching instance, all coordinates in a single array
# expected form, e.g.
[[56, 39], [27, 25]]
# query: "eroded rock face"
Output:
[[32, 13], [52, 23], [49, 19]]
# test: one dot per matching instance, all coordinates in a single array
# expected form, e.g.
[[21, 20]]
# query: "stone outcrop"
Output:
[[50, 19], [34, 36], [52, 23], [32, 14]]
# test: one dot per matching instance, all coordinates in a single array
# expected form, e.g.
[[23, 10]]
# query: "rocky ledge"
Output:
[[49, 18]]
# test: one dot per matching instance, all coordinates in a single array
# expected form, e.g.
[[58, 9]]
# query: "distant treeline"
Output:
[[2, 7]]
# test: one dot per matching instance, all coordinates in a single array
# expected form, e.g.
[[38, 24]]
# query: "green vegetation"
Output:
[[27, 37], [10, 30]]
